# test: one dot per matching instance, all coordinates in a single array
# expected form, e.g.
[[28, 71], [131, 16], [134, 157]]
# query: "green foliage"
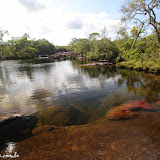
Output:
[[61, 49], [149, 65], [93, 53], [2, 33], [2, 44], [94, 35], [95, 49], [44, 47], [80, 46], [134, 31], [142, 62], [144, 56], [142, 12], [24, 47]]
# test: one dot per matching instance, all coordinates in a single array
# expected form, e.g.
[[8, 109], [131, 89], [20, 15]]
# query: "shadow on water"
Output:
[[140, 83], [17, 129]]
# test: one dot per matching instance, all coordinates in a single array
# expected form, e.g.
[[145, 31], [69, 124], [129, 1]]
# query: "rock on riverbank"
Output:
[[129, 110], [13, 111]]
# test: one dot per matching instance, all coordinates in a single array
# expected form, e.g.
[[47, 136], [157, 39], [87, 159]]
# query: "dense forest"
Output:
[[24, 47], [137, 48]]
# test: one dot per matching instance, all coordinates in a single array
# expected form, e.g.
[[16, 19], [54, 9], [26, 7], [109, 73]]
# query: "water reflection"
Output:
[[28, 82], [140, 83], [64, 93]]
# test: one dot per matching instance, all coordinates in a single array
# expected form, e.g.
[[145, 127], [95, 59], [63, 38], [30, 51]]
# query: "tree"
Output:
[[94, 35], [104, 32], [136, 32], [144, 12], [80, 46], [122, 32], [44, 47], [2, 49], [2, 33]]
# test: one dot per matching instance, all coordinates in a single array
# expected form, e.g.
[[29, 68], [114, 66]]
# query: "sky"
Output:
[[59, 21]]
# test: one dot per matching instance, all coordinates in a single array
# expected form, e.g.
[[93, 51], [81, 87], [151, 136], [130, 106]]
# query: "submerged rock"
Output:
[[45, 128], [4, 117], [128, 110], [139, 105], [41, 93], [13, 111], [158, 102], [61, 116]]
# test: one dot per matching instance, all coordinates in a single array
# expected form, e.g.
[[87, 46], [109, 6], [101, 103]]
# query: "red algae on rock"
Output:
[[128, 110], [158, 102]]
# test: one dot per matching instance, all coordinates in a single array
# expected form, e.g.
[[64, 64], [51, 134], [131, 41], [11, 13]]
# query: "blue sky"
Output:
[[93, 6], [60, 20]]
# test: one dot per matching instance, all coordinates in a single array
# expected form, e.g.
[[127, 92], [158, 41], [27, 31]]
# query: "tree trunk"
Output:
[[158, 36], [135, 40]]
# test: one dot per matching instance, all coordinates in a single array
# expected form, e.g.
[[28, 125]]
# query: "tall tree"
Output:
[[44, 47], [136, 32], [144, 11], [94, 35], [2, 33]]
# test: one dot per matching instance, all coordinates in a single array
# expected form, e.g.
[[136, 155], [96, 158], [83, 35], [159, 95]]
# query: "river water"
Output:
[[64, 93]]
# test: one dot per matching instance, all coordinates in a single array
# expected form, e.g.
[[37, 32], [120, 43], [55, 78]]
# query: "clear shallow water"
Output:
[[63, 93]]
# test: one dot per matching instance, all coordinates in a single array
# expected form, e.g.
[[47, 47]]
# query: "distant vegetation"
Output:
[[24, 47], [95, 47], [136, 50]]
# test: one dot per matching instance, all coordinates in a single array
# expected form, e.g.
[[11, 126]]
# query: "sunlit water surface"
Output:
[[64, 93]]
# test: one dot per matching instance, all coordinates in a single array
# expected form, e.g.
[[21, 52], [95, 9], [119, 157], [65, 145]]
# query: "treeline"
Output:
[[24, 47], [95, 47], [100, 47]]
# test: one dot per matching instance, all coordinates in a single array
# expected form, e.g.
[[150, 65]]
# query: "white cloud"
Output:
[[75, 23], [58, 24], [32, 4]]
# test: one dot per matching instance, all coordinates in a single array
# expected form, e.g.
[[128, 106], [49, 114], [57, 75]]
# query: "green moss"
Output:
[[138, 65]]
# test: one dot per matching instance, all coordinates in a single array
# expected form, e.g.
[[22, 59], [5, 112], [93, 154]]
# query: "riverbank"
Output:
[[136, 138], [97, 64], [149, 65], [141, 65], [152, 66]]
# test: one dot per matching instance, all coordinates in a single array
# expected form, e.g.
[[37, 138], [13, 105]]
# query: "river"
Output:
[[64, 93]]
